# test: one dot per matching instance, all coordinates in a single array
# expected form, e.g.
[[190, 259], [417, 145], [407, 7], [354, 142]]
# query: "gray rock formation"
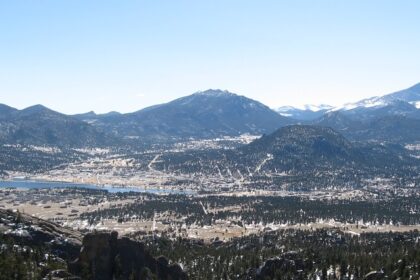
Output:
[[105, 256]]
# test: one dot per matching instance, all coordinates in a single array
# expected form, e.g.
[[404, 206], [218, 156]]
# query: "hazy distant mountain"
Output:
[[410, 95], [308, 112], [86, 116], [206, 114], [384, 127], [396, 129], [402, 103], [38, 125], [92, 117], [338, 121], [393, 117], [392, 108]]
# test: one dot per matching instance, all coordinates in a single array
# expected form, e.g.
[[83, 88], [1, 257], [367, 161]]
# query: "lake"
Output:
[[31, 184]]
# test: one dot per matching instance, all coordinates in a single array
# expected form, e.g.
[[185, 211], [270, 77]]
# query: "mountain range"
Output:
[[38, 125], [207, 114], [213, 113], [307, 113], [393, 117], [294, 149], [403, 103]]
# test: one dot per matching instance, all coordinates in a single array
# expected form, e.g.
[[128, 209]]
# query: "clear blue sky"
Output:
[[78, 55]]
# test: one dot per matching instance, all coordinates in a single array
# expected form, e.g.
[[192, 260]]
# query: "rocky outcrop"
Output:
[[32, 231], [100, 256], [104, 256], [289, 265]]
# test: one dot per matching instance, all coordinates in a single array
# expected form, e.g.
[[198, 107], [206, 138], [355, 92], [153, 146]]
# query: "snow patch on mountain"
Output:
[[286, 114], [416, 104], [306, 107], [366, 103], [316, 108]]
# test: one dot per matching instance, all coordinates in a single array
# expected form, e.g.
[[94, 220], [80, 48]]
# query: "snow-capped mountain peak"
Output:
[[410, 95], [366, 103], [306, 107], [305, 112], [316, 108]]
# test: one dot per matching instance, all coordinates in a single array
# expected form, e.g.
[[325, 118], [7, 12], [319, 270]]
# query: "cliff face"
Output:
[[105, 256]]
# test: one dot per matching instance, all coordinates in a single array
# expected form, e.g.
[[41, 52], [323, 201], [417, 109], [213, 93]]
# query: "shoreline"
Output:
[[66, 184]]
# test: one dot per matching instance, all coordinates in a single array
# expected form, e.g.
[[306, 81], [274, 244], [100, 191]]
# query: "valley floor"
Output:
[[213, 217]]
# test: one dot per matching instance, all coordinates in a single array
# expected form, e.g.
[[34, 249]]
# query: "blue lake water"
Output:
[[29, 184]]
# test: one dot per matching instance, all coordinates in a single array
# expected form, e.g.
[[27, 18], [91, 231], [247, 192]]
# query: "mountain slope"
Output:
[[38, 125], [384, 127], [212, 113], [309, 112], [302, 147], [306, 148], [394, 129], [91, 116], [393, 117], [411, 94], [402, 103], [296, 149], [5, 111]]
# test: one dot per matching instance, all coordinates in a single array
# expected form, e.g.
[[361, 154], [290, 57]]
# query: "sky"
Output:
[[76, 56]]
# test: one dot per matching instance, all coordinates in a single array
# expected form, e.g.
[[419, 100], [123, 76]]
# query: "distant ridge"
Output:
[[39, 125], [214, 113], [404, 103], [308, 112], [204, 114]]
